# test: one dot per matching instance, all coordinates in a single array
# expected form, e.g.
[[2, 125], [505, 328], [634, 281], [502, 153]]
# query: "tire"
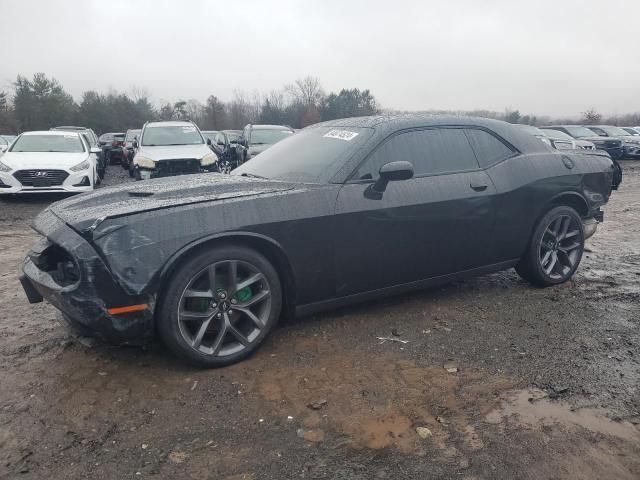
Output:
[[237, 324], [555, 249]]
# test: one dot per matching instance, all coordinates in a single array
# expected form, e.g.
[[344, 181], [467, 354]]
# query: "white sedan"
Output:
[[49, 161]]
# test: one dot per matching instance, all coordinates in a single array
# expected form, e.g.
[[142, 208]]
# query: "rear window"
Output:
[[48, 143]]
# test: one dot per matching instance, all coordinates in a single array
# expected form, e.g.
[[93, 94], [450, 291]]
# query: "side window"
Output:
[[432, 151], [489, 149]]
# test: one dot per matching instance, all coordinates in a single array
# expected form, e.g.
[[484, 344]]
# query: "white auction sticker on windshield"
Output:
[[188, 129], [341, 135]]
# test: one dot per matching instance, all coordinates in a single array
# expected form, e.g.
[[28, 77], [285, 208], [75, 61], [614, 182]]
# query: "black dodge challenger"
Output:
[[343, 211]]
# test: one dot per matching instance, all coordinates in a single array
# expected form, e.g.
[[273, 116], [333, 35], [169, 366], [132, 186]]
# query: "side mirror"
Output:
[[221, 143], [389, 172], [209, 141], [393, 171], [135, 144], [95, 150]]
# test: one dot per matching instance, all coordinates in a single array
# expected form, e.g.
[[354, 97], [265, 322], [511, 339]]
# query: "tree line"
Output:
[[40, 103]]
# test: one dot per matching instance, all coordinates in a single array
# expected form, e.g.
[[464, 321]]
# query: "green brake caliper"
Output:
[[244, 295]]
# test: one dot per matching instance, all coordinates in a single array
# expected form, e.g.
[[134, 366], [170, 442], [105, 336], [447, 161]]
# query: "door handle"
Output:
[[478, 187]]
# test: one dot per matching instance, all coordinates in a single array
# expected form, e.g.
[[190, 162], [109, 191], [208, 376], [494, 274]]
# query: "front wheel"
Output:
[[219, 306], [555, 249]]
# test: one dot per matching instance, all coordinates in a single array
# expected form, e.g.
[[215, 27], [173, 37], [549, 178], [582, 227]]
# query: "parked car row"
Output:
[[170, 148], [179, 148]]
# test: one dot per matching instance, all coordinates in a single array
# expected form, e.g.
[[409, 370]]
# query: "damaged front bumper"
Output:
[[172, 168], [76, 281]]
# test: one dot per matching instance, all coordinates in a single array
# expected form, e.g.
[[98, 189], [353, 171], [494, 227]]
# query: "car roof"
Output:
[[52, 132], [387, 124], [171, 123], [69, 127], [270, 127]]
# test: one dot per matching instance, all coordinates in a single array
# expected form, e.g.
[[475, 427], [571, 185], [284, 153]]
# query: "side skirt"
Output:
[[311, 308]]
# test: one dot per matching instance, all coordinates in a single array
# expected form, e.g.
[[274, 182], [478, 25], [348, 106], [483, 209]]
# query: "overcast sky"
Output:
[[556, 57]]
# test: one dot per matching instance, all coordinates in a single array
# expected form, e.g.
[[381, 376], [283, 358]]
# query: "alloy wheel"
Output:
[[224, 308], [561, 247]]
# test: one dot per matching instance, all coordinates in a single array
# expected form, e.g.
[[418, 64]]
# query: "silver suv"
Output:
[[166, 149]]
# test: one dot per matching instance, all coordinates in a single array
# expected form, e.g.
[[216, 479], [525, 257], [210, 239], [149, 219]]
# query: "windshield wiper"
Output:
[[253, 175]]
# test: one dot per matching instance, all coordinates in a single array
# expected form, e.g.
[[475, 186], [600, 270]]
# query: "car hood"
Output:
[[42, 160], [88, 210], [174, 152]]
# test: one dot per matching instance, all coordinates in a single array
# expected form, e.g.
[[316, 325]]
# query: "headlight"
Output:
[[4, 168], [81, 166], [208, 159], [144, 162]]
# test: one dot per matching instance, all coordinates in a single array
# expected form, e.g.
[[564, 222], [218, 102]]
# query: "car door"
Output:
[[436, 223]]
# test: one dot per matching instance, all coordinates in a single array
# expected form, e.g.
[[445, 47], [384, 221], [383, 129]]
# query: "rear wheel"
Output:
[[555, 249], [219, 306]]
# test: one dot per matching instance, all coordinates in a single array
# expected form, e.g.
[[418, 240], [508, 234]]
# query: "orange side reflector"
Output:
[[128, 309]]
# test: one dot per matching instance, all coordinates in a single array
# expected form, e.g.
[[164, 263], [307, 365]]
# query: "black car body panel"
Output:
[[332, 242]]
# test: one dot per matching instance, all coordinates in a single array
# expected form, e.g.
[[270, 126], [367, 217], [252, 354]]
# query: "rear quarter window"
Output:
[[488, 148]]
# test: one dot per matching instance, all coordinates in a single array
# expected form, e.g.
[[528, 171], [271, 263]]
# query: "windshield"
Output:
[[48, 143], [556, 134], [171, 135], [313, 155], [268, 137], [579, 132], [615, 131], [132, 134], [3, 141]]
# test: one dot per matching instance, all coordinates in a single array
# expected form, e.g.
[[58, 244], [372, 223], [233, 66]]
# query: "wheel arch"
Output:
[[272, 250], [569, 199]]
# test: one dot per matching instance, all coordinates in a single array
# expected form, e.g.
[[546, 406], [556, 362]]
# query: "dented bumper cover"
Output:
[[77, 282]]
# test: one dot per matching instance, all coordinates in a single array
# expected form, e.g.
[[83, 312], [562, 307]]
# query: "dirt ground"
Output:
[[539, 384]]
